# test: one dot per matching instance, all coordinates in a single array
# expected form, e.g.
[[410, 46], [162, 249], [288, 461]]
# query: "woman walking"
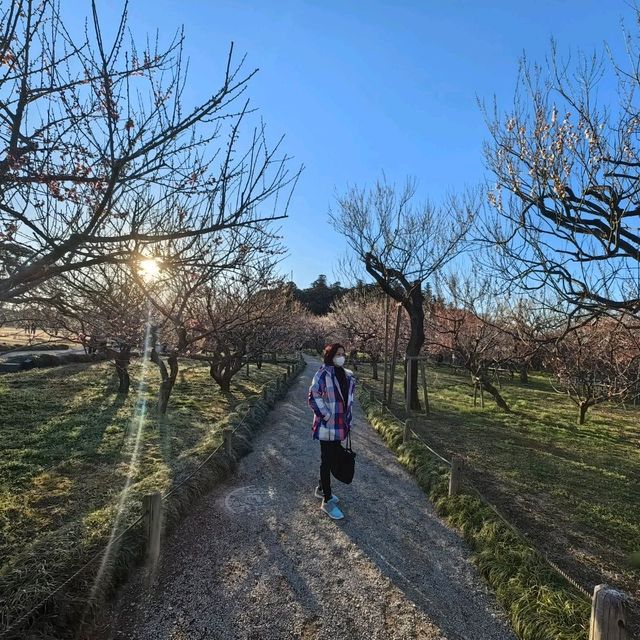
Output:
[[331, 398]]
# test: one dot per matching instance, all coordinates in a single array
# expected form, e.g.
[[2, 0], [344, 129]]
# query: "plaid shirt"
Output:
[[332, 415]]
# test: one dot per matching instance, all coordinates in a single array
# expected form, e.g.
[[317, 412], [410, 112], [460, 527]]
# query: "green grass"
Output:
[[14, 338], [68, 449], [54, 346], [540, 605], [574, 489]]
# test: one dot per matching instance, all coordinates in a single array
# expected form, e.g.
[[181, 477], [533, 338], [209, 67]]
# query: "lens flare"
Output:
[[134, 441], [150, 268]]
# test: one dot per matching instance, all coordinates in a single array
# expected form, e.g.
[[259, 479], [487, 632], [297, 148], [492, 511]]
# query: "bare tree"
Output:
[[359, 314], [237, 319], [317, 331], [469, 326], [100, 160], [598, 362], [182, 294], [281, 330], [103, 308], [566, 213], [530, 327], [402, 246]]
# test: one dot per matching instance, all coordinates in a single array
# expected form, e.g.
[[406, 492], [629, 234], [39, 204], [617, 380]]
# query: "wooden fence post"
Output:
[[407, 377], [152, 509], [386, 350], [455, 480], [227, 441], [608, 614], [406, 433], [394, 354], [424, 387]]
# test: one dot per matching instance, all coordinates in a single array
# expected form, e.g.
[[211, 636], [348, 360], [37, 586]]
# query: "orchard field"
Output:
[[77, 457], [573, 489]]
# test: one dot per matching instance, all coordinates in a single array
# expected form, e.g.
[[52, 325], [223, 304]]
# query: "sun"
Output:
[[150, 268]]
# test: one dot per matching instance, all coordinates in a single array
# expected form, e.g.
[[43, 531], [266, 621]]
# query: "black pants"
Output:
[[328, 451]]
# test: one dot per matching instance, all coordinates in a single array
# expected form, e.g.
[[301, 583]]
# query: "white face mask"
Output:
[[339, 361]]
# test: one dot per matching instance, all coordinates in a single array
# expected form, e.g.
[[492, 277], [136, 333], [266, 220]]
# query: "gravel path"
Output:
[[258, 559]]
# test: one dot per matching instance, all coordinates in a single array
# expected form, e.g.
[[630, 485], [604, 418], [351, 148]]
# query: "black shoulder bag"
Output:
[[344, 463]]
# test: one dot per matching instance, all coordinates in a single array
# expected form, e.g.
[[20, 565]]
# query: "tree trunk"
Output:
[[224, 367], [524, 373], [121, 360], [124, 381], [374, 367], [583, 407], [500, 401], [496, 374], [168, 378], [224, 382], [487, 386], [222, 376]]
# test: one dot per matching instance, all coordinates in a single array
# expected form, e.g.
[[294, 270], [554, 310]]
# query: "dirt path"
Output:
[[257, 559]]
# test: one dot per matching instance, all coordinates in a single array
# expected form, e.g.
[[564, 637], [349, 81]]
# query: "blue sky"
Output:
[[359, 87]]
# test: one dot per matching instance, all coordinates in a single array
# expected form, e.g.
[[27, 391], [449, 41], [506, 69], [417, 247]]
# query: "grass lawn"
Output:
[[12, 338], [70, 444], [575, 490]]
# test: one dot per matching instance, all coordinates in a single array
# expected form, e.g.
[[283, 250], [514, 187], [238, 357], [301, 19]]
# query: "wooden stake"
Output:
[[455, 480], [152, 509], [393, 355], [406, 434], [608, 614], [423, 371], [407, 395], [386, 349], [227, 442]]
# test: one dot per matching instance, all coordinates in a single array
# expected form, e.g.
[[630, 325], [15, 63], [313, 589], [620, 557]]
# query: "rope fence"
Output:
[[522, 536], [154, 518], [72, 577]]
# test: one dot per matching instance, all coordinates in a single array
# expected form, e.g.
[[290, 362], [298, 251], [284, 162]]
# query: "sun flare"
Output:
[[150, 268]]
